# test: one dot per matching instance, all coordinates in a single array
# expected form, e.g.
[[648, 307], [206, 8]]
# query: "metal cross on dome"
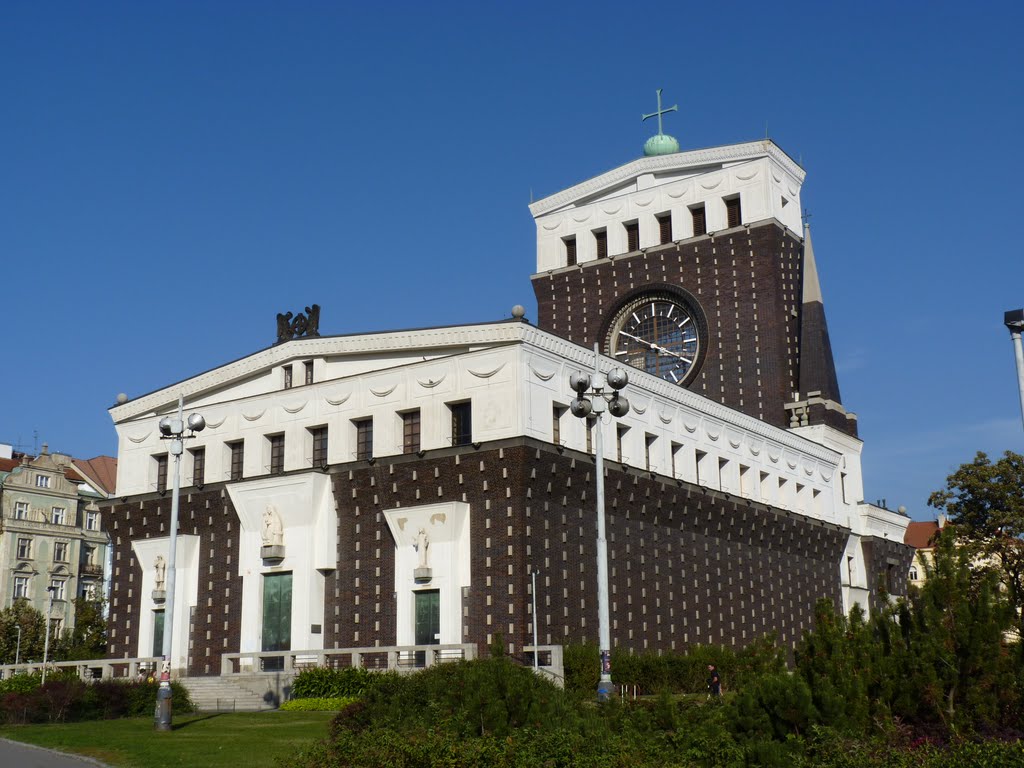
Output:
[[660, 112]]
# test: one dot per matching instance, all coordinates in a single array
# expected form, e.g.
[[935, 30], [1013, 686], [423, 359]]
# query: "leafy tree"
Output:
[[88, 638], [947, 652], [21, 614], [985, 502]]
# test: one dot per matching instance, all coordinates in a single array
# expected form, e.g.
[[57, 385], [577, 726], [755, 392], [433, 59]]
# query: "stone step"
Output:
[[218, 694]]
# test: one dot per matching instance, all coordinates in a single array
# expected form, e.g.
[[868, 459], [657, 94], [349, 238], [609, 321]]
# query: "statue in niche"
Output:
[[160, 571], [273, 530], [422, 545]]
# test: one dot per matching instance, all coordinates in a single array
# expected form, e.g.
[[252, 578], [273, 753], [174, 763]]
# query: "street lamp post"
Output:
[[173, 429], [17, 652], [1014, 321], [46, 628], [596, 394]]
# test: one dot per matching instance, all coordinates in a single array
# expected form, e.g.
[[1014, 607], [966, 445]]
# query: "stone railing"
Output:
[[397, 657], [93, 669]]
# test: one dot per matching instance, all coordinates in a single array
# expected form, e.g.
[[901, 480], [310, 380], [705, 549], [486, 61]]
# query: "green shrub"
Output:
[[582, 663], [72, 700], [20, 683], [331, 704], [326, 683]]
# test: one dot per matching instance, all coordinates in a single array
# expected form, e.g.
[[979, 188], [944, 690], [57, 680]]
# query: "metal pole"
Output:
[[176, 447], [536, 655], [17, 653], [1018, 351], [163, 696], [46, 629], [604, 687]]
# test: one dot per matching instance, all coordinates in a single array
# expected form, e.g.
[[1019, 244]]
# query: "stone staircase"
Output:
[[250, 693]]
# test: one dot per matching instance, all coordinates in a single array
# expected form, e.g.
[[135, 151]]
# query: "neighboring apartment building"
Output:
[[921, 535], [52, 538], [399, 488]]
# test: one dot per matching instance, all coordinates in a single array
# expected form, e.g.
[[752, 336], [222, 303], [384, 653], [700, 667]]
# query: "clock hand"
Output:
[[637, 338], [658, 348]]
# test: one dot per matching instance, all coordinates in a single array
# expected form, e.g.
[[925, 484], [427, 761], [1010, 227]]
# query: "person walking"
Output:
[[714, 682]]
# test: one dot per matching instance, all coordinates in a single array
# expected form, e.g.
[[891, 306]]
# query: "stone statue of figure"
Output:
[[160, 568], [284, 327], [422, 545], [273, 530]]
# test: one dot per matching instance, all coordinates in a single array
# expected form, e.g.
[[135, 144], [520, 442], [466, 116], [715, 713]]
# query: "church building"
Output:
[[401, 488]]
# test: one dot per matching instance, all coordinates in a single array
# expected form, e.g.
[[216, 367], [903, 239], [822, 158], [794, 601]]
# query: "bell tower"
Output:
[[695, 266]]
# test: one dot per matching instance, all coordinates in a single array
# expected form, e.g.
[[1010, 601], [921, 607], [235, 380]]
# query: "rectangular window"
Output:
[[237, 458], [89, 555], [42, 481], [161, 472], [21, 510], [57, 588], [20, 587], [60, 552], [724, 481], [308, 369], [556, 424], [411, 432], [24, 549], [632, 236], [276, 453], [648, 443], [198, 466], [287, 377], [92, 521], [319, 446], [56, 625], [676, 448], [601, 243], [700, 222], [58, 516], [620, 431], [89, 590], [364, 438], [462, 423], [701, 475], [732, 212], [570, 251], [590, 434], [665, 228]]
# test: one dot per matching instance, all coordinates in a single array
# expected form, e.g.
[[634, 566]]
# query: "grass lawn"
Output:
[[251, 740]]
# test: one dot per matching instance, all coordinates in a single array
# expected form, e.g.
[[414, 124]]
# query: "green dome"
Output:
[[660, 144]]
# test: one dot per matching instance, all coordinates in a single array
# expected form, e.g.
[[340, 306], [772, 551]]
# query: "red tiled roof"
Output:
[[6, 465], [919, 535], [100, 469]]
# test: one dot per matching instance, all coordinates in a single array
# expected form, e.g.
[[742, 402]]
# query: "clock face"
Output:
[[657, 333]]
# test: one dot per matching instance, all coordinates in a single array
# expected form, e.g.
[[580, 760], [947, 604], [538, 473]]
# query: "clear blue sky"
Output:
[[175, 174]]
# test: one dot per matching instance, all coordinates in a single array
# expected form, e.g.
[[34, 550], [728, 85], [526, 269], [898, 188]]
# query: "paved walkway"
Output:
[[14, 753]]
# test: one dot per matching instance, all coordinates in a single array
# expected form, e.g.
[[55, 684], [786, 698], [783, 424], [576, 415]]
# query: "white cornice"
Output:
[[675, 162], [465, 337], [323, 346]]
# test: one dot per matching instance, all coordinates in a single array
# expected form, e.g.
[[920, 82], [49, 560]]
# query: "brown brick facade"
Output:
[[687, 565], [748, 284]]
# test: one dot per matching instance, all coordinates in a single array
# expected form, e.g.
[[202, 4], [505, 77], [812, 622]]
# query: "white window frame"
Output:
[[58, 515], [21, 510], [24, 552], [42, 481], [21, 586], [92, 521], [58, 547], [59, 586]]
